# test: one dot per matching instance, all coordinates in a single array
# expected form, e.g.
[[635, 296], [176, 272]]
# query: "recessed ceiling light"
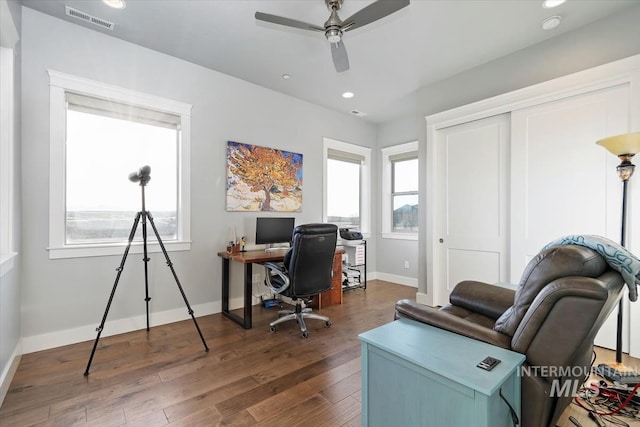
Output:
[[548, 4], [348, 95], [551, 22], [286, 76], [116, 4]]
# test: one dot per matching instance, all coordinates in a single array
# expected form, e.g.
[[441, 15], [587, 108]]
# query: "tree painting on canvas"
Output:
[[263, 179]]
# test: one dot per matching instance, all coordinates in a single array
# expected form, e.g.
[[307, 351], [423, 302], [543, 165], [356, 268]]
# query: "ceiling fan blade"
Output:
[[339, 55], [373, 12], [280, 20]]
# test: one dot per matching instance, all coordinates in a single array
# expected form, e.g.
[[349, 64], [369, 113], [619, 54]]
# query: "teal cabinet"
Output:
[[417, 375]]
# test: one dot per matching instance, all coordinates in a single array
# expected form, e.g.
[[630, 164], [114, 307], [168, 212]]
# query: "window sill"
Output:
[[7, 262], [85, 251], [400, 236]]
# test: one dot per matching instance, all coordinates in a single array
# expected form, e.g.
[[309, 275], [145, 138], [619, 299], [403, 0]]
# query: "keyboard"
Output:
[[276, 251]]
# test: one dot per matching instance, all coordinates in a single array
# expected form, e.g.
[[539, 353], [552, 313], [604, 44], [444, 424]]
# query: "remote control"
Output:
[[488, 363]]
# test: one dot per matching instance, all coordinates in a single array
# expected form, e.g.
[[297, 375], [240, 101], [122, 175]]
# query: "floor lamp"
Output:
[[624, 146]]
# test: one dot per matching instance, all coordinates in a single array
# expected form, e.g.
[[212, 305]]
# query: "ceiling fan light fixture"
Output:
[[334, 35], [334, 27]]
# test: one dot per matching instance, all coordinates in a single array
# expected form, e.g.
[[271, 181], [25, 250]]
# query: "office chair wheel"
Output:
[[327, 324], [305, 334], [272, 328]]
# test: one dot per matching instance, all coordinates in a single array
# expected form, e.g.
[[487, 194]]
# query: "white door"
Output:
[[472, 197], [562, 182]]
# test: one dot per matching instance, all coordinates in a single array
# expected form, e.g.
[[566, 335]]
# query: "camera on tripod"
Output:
[[142, 176]]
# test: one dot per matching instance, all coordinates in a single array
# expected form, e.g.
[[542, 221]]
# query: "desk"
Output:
[[248, 258]]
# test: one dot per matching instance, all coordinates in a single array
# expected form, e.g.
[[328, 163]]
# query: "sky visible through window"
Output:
[[102, 151], [406, 175], [343, 194]]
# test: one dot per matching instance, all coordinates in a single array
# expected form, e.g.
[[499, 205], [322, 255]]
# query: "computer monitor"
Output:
[[272, 230]]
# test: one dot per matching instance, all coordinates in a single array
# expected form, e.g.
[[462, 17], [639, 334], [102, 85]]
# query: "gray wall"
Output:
[[392, 253], [62, 294], [10, 283]]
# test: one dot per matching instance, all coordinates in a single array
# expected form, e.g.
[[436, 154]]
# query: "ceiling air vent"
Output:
[[78, 14], [358, 113]]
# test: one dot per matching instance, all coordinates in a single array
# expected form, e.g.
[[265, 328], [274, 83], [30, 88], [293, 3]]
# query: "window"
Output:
[[347, 185], [6, 159], [400, 191], [404, 194], [99, 135]]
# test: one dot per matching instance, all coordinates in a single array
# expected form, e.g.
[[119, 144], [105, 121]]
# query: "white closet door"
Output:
[[471, 193], [562, 182]]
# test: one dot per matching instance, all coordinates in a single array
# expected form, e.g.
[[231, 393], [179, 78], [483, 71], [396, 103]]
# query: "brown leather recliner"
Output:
[[565, 295]]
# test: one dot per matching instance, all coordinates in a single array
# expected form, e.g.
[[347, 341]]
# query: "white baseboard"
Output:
[[9, 371], [88, 332], [401, 280]]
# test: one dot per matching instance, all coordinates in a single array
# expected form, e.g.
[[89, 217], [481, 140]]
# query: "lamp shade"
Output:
[[628, 143]]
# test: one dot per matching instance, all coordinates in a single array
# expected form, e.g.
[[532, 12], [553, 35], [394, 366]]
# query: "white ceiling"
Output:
[[390, 59]]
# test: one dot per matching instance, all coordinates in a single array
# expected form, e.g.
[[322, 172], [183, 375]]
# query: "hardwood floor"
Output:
[[249, 377]]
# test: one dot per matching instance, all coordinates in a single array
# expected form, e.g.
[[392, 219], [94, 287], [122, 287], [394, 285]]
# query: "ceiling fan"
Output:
[[334, 27]]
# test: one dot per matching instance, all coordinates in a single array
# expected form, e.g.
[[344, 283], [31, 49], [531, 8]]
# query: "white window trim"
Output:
[[365, 180], [387, 219], [7, 160], [59, 83]]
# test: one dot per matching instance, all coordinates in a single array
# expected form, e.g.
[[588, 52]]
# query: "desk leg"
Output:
[[225, 285], [246, 321], [248, 293]]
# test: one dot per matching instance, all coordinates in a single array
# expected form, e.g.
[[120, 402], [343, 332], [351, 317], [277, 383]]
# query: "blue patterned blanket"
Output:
[[619, 258]]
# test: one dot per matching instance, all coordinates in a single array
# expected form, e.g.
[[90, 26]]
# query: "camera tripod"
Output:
[[142, 176]]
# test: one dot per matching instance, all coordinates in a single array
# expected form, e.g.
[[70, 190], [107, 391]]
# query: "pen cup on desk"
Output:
[[233, 248]]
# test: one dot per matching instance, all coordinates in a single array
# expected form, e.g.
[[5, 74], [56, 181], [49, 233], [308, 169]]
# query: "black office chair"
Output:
[[305, 272]]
